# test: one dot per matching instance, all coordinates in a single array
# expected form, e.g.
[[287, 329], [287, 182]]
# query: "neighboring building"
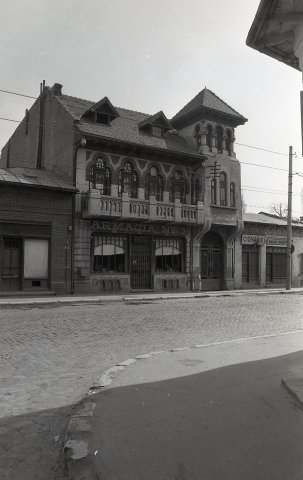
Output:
[[159, 201], [263, 244], [277, 31], [35, 231]]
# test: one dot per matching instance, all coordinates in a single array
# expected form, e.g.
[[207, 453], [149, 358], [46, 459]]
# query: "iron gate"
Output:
[[140, 262]]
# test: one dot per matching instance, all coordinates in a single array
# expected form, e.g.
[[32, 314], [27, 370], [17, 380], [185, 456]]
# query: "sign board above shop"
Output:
[[261, 240], [135, 228]]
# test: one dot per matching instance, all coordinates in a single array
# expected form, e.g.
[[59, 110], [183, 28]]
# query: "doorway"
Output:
[[11, 264], [140, 262], [211, 262]]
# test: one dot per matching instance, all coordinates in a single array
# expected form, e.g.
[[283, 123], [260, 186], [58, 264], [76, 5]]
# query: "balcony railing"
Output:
[[125, 208]]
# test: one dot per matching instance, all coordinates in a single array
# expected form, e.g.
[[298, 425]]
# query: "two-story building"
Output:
[[158, 202]]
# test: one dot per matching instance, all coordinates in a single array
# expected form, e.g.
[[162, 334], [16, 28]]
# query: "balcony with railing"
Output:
[[125, 208]]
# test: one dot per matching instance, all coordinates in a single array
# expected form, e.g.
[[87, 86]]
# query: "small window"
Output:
[[102, 118], [229, 142], [232, 195], [223, 189], [109, 254], [195, 191], [213, 189], [209, 135], [156, 131], [219, 139], [198, 134]]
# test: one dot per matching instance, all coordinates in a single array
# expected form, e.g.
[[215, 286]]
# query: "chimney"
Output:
[[56, 89]]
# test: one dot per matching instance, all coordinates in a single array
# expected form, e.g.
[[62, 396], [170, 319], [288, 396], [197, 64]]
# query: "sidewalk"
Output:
[[74, 299], [194, 413]]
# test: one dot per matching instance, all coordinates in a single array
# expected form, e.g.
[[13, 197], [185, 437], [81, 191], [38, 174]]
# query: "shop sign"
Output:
[[253, 240], [139, 228], [276, 241]]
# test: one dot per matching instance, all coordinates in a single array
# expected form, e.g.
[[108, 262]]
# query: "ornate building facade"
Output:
[[158, 201]]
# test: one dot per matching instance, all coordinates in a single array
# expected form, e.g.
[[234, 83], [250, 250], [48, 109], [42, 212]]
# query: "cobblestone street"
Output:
[[50, 356]]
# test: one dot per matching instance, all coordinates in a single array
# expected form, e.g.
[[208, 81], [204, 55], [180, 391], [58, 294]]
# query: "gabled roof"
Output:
[[206, 99], [34, 178], [124, 128], [103, 106], [159, 119]]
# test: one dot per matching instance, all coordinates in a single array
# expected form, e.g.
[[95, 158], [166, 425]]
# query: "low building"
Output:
[[35, 232], [263, 243]]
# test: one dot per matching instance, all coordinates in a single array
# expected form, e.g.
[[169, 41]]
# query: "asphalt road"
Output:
[[50, 356], [235, 422]]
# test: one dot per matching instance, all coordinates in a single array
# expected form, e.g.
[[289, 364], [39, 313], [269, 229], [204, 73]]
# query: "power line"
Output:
[[10, 120], [19, 94], [242, 162]]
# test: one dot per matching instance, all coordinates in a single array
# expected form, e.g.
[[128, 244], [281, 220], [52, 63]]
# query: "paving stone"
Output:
[[51, 355]]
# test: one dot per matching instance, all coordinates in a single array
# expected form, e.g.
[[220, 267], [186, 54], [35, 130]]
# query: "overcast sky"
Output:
[[156, 55]]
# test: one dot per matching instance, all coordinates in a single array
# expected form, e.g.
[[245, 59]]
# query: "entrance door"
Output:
[[11, 264], [250, 265], [211, 262], [140, 263]]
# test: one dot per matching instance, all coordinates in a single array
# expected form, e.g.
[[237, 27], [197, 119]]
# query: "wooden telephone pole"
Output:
[[289, 230]]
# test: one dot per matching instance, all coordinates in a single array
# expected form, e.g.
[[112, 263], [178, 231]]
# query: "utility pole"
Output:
[[289, 231]]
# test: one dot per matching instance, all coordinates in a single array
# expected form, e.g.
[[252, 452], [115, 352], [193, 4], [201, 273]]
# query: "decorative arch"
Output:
[[209, 135], [229, 141], [154, 184], [128, 180], [198, 134], [178, 186], [99, 175], [219, 138]]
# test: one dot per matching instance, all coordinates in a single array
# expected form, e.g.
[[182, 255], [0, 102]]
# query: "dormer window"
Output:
[[102, 118], [156, 131], [156, 125], [102, 112]]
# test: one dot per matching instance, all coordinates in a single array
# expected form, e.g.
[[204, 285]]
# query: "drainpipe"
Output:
[[80, 144]]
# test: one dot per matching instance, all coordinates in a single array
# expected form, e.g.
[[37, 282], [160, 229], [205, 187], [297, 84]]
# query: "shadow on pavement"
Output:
[[31, 445], [235, 422]]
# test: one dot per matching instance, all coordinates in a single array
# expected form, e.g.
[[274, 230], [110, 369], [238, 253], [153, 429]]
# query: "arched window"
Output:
[[177, 187], [209, 135], [198, 134], [100, 177], [213, 191], [219, 139], [195, 191], [228, 141], [223, 200], [154, 185], [128, 181], [232, 195]]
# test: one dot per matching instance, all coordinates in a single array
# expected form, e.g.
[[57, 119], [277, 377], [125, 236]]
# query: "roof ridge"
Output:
[[219, 98]]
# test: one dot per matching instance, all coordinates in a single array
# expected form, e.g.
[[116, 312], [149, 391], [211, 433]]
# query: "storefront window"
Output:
[[109, 254], [35, 258], [169, 255]]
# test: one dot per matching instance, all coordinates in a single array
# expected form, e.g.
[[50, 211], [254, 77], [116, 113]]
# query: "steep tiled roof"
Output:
[[33, 177], [123, 128], [207, 99]]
